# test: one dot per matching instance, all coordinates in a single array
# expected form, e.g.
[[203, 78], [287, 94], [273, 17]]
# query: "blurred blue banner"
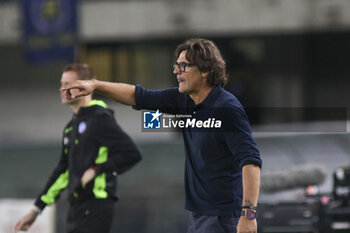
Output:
[[49, 30]]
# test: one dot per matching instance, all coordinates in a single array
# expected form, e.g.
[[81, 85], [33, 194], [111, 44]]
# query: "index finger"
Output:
[[71, 86]]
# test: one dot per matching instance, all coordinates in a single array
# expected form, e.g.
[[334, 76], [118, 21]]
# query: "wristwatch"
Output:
[[249, 214]]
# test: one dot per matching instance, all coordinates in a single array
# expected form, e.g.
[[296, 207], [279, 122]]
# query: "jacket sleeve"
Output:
[[167, 101], [239, 138], [57, 182], [117, 152]]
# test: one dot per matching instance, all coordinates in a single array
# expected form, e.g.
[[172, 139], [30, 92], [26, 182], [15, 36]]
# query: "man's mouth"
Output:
[[180, 80]]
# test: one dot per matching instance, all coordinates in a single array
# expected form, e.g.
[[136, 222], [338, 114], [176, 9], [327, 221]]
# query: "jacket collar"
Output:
[[100, 103], [91, 107], [210, 99]]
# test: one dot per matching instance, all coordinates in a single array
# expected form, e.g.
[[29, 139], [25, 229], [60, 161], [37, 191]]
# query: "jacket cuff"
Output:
[[37, 209], [39, 204], [251, 161]]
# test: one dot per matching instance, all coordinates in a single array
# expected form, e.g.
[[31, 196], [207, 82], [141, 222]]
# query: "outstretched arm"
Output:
[[119, 92]]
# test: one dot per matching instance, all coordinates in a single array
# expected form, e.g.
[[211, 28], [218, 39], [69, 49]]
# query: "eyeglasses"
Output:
[[182, 66]]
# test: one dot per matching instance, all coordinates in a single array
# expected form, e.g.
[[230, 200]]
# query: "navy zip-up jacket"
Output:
[[92, 138], [214, 156]]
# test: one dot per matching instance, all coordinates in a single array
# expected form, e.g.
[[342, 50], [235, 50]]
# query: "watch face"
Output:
[[249, 214]]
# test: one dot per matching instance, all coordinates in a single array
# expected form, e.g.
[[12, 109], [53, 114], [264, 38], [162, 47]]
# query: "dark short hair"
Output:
[[83, 71], [207, 57]]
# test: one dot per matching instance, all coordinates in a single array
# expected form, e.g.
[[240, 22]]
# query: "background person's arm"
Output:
[[122, 152], [26, 221], [58, 181]]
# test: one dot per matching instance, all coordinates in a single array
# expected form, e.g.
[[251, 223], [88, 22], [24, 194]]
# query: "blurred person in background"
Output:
[[222, 168], [94, 150]]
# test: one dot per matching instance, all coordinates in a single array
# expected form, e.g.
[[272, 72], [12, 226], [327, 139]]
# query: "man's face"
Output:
[[191, 80], [66, 79]]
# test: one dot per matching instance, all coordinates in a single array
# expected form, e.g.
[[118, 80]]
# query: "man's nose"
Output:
[[176, 70]]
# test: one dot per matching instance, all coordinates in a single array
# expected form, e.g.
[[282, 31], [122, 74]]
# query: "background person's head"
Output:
[[207, 57], [71, 73]]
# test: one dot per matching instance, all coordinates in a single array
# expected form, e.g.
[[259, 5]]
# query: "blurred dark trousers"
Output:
[[93, 216], [198, 223]]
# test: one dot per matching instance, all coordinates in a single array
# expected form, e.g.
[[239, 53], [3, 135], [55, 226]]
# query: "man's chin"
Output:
[[181, 89]]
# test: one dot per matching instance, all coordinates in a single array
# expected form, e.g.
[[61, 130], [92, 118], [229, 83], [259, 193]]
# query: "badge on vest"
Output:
[[82, 127]]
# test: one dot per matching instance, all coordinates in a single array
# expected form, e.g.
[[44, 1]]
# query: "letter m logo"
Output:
[[151, 120]]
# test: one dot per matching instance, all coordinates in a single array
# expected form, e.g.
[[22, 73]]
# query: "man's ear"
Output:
[[204, 74]]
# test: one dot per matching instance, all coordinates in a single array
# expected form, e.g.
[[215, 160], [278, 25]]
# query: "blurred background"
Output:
[[288, 63]]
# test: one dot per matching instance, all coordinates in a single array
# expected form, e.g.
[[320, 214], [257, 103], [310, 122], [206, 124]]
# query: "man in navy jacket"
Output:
[[222, 167]]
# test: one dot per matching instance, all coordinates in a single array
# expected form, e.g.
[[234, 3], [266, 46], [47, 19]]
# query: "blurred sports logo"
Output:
[[49, 30], [152, 119], [50, 10]]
